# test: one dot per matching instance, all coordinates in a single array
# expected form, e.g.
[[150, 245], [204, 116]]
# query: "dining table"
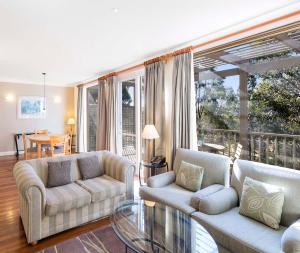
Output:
[[212, 147], [40, 140]]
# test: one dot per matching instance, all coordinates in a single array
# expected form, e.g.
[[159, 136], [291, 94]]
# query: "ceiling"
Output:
[[74, 40]]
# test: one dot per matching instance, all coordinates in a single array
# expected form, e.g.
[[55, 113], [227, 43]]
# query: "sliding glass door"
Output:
[[130, 122]]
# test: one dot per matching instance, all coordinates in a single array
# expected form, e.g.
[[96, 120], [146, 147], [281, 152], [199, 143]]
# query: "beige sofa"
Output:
[[47, 211], [162, 188]]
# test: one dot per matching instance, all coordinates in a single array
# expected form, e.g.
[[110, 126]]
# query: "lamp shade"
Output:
[[71, 121], [150, 132]]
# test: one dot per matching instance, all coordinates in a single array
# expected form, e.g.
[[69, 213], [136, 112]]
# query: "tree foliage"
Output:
[[126, 97], [216, 105], [275, 101]]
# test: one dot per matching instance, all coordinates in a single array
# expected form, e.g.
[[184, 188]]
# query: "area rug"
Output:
[[102, 240]]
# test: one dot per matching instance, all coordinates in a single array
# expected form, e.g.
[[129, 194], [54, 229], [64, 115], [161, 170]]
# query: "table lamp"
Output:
[[149, 133]]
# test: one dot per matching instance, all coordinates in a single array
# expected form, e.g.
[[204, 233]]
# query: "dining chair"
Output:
[[237, 153], [69, 144], [30, 152], [58, 146]]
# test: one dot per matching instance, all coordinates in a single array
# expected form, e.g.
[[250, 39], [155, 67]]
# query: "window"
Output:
[[250, 94], [92, 104]]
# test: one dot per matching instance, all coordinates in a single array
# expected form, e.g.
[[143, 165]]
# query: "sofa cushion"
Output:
[[262, 202], [59, 173], [171, 195], [103, 187], [90, 167], [189, 176], [64, 198], [241, 234]]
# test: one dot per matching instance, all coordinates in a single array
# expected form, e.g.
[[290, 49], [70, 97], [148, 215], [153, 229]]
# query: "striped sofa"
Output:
[[47, 211]]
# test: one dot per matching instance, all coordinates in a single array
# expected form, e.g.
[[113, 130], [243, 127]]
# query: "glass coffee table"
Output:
[[146, 226]]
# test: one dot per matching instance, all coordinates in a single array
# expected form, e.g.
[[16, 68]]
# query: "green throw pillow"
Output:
[[189, 176], [262, 202]]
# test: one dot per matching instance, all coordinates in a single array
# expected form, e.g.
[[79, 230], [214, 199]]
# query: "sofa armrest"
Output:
[[121, 169], [161, 180], [204, 193], [290, 240], [218, 202], [26, 179], [32, 198]]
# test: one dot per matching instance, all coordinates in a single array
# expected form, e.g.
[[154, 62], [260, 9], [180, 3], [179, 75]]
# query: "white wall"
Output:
[[60, 106]]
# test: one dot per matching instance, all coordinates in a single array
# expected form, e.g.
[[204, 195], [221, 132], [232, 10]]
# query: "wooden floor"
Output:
[[12, 236]]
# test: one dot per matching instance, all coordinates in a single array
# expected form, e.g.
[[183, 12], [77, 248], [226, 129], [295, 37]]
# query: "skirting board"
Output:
[[6, 153]]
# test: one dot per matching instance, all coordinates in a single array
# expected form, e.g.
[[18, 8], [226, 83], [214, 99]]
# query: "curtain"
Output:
[[106, 138], [183, 96], [81, 135], [112, 114], [168, 111], [155, 107]]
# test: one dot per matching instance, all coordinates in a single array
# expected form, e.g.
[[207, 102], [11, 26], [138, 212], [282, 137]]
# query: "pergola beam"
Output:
[[286, 40]]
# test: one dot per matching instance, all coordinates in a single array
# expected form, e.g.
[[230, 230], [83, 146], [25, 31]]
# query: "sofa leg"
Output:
[[34, 243]]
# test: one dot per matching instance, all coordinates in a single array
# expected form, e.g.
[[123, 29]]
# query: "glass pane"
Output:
[[92, 102], [128, 120], [217, 107], [248, 96]]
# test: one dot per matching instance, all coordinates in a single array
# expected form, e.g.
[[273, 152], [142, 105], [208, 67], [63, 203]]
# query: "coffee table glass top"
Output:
[[146, 226]]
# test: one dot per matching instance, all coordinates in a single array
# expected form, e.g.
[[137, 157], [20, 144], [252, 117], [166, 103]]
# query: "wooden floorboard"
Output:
[[12, 235]]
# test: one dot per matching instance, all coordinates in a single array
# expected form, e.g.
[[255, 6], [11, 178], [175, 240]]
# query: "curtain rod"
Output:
[[190, 48], [160, 58]]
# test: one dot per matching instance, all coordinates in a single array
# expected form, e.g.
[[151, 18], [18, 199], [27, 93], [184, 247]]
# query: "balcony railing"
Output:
[[270, 148], [128, 146]]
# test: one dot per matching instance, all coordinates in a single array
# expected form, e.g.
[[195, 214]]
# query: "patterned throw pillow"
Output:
[[262, 202], [189, 176]]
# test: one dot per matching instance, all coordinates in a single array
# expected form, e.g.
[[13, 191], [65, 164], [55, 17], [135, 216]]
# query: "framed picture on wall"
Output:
[[31, 107]]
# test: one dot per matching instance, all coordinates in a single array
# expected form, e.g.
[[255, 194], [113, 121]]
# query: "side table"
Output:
[[153, 168]]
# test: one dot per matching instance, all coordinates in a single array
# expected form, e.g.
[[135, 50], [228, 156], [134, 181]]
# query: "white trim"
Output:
[[89, 85], [131, 75]]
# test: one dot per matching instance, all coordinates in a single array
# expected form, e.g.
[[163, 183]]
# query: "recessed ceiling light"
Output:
[[115, 10]]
